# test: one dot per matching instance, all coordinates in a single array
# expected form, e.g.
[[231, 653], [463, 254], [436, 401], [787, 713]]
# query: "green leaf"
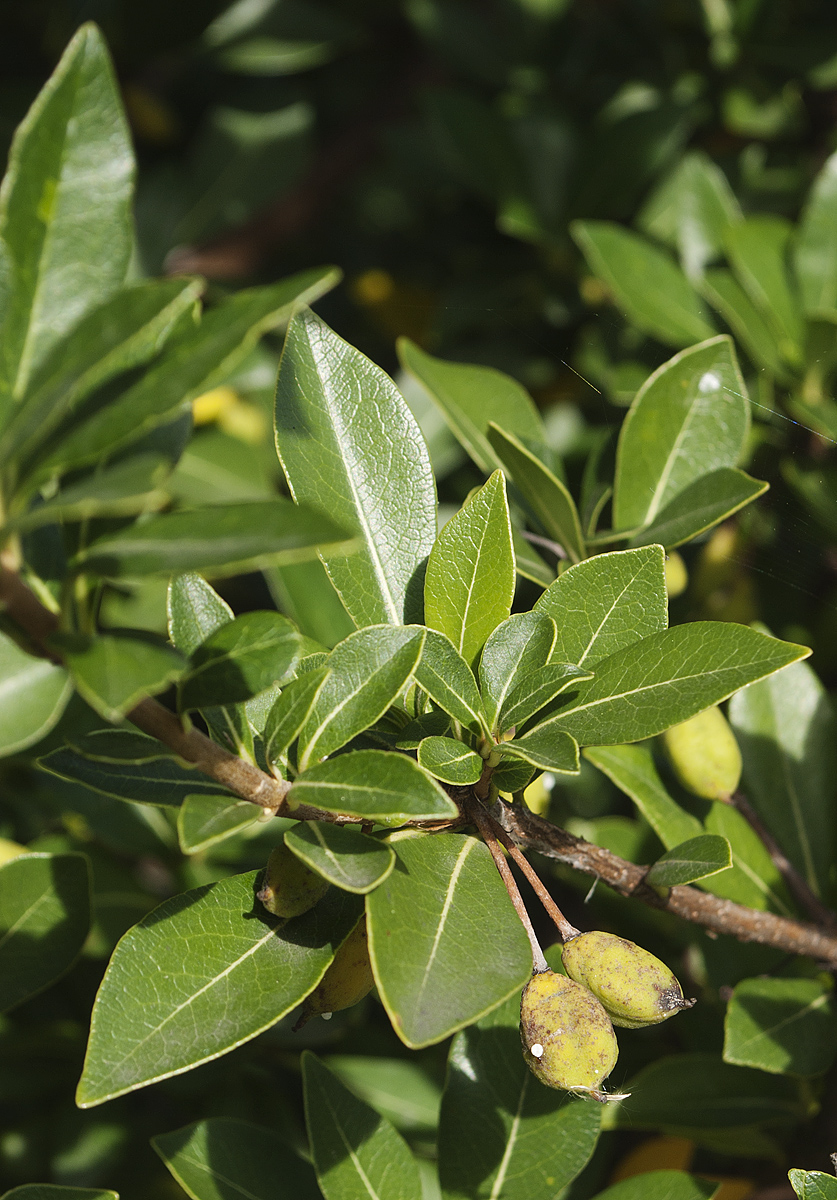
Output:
[[345, 857], [758, 250], [226, 540], [815, 251], [537, 690], [784, 1026], [196, 362], [512, 775], [470, 580], [123, 333], [227, 1159], [240, 659], [356, 1152], [690, 417], [450, 760], [606, 604], [349, 444], [501, 1133], [33, 695], [203, 821], [171, 996], [165, 781], [290, 712], [661, 1185], [366, 673], [434, 723], [396, 1087], [785, 727], [727, 296], [545, 494], [434, 975], [546, 747], [121, 745], [71, 167], [114, 671], [669, 677], [813, 1185], [518, 646], [632, 769], [470, 398], [698, 1091], [306, 594], [647, 285], [694, 859], [754, 879], [448, 680], [373, 785], [50, 1191], [44, 921], [702, 504]]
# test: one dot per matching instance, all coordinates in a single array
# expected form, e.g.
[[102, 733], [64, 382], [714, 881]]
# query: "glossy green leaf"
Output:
[[448, 680], [470, 580], [537, 690], [72, 169], [450, 760], [348, 859], [350, 445], [51, 1191], [758, 250], [123, 744], [784, 1026], [706, 854], [165, 781], [546, 747], [689, 418], [647, 285], [114, 671], [290, 712], [501, 1132], [512, 775], [785, 727], [196, 362], [606, 604], [470, 398], [518, 646], [356, 1151], [240, 659], [372, 785], [44, 920], [727, 296], [710, 499], [123, 333], [632, 769], [227, 1159], [815, 250], [225, 540], [33, 694], [699, 1091], [203, 821], [366, 672], [435, 972], [545, 494], [813, 1185], [661, 1185], [170, 998], [669, 677], [397, 1088]]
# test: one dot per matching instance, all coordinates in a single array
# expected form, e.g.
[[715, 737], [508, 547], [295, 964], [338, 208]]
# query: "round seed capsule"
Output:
[[568, 1039], [635, 988], [704, 755]]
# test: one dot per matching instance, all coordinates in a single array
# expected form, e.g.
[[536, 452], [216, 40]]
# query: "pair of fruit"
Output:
[[566, 1021], [289, 889]]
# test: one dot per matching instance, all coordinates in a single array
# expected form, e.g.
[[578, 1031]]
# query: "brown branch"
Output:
[[720, 916]]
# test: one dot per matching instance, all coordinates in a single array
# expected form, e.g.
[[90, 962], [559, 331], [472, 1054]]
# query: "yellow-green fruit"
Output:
[[705, 755], [10, 850], [635, 988], [289, 887], [677, 577], [568, 1039], [347, 980]]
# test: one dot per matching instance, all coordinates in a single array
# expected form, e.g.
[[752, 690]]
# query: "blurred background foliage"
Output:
[[438, 152]]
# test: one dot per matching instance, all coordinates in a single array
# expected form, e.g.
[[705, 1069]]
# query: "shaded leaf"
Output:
[[290, 711], [661, 1185], [33, 694], [694, 859], [195, 610], [450, 760], [372, 785], [815, 251], [114, 671], [758, 249], [632, 769], [754, 878], [50, 1191], [240, 659], [449, 682], [784, 1026], [165, 781], [518, 646], [203, 821], [348, 859], [397, 1088], [725, 293]]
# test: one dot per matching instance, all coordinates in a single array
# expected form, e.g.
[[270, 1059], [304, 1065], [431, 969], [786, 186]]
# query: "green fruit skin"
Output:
[[635, 988], [579, 1045], [347, 980], [290, 887], [704, 755]]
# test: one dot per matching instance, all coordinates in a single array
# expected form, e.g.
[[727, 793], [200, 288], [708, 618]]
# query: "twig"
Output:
[[795, 881], [701, 908], [482, 821], [547, 543]]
